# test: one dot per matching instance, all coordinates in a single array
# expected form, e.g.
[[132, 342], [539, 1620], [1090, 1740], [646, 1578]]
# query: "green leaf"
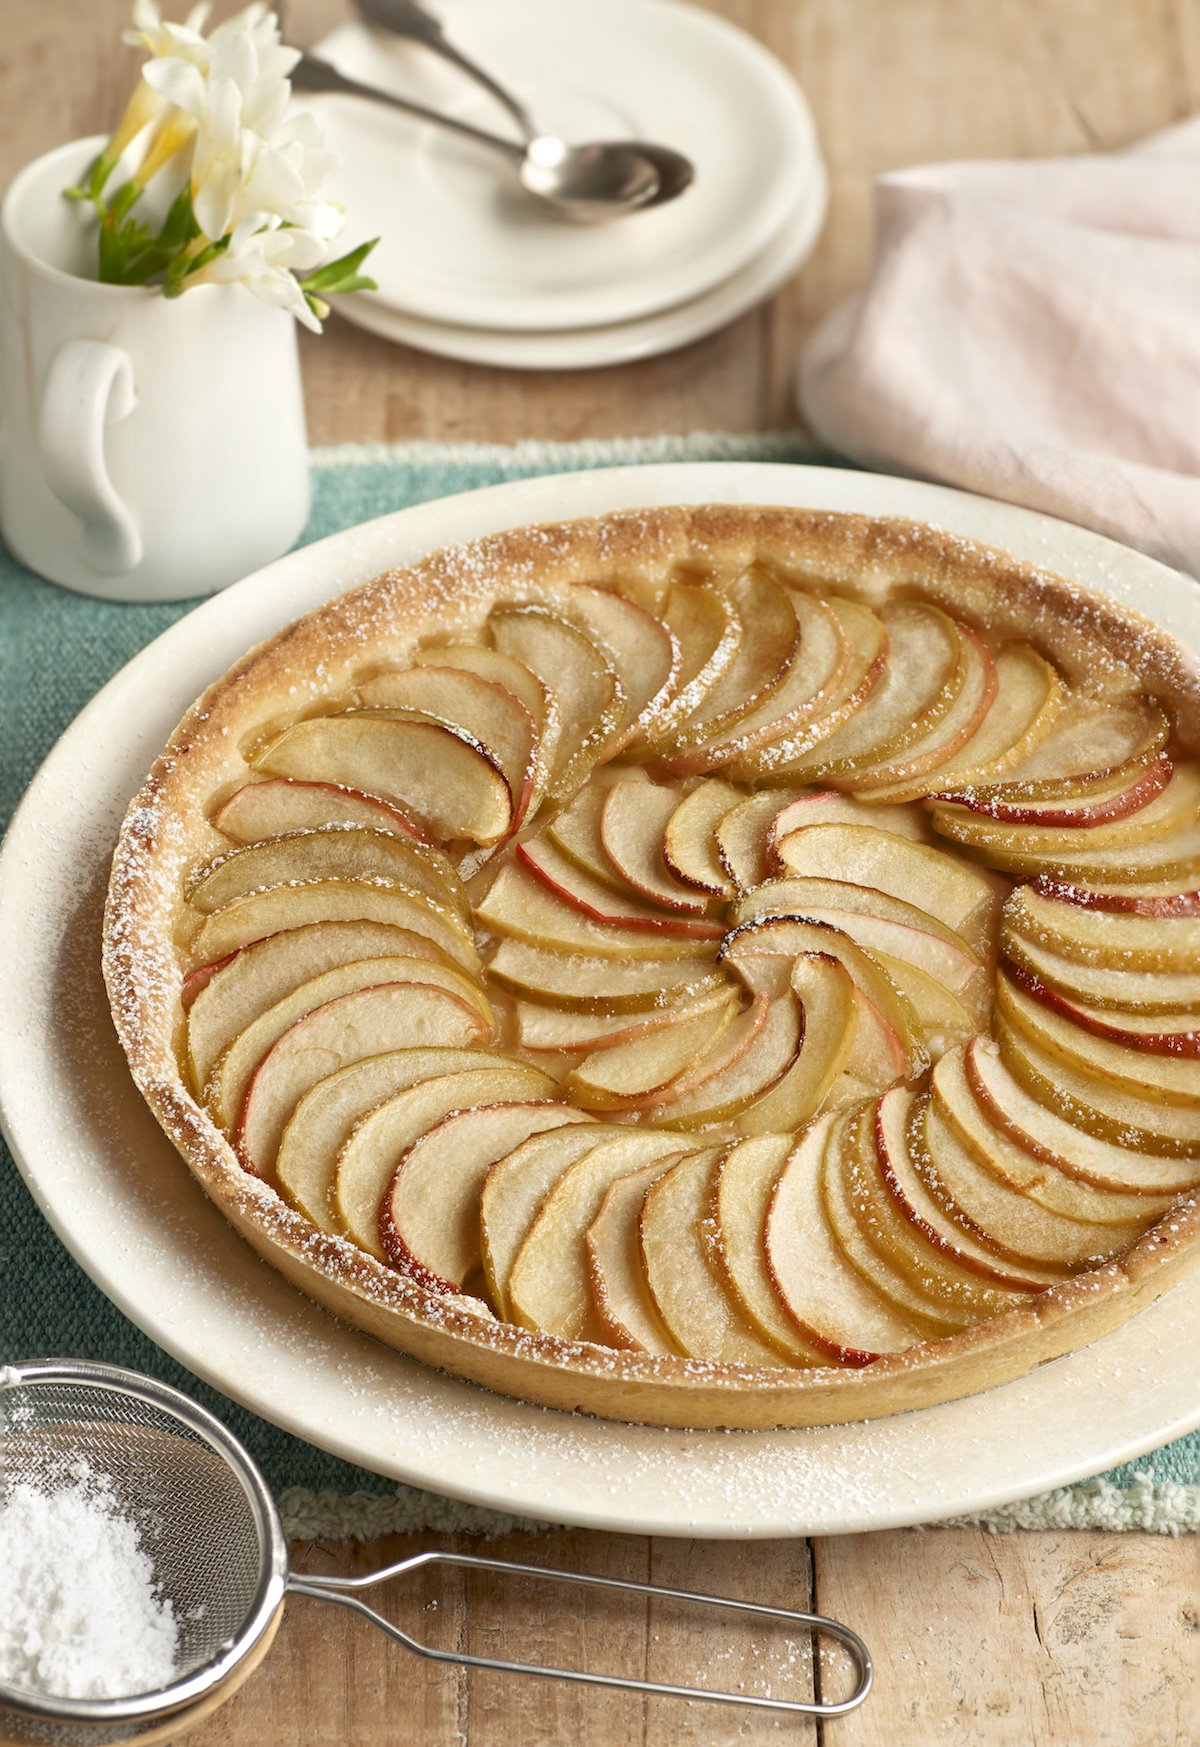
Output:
[[342, 274]]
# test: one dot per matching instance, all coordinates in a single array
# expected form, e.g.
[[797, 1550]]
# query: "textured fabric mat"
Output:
[[56, 650]]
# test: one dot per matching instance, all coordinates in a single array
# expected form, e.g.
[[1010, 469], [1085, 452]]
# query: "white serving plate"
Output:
[[460, 242], [621, 342], [128, 1210]]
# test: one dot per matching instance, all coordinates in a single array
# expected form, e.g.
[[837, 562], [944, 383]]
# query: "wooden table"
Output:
[[986, 1641]]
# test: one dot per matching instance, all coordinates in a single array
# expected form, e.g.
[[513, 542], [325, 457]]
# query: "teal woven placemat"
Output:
[[56, 650]]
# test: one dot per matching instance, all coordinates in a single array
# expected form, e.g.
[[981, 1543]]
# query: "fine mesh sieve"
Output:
[[213, 1534]]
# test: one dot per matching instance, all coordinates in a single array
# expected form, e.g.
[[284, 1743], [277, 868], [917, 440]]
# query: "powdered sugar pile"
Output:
[[80, 1613]]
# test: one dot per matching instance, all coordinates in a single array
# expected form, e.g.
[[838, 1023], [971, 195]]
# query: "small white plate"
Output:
[[117, 1195], [462, 243], [618, 342]]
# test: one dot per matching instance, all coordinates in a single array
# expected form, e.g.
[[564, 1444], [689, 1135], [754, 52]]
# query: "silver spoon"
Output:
[[409, 19], [585, 182]]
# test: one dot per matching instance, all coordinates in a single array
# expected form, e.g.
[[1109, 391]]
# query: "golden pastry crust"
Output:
[[1101, 647]]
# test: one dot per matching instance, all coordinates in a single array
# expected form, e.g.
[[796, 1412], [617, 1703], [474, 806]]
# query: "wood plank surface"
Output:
[[1041, 1640]]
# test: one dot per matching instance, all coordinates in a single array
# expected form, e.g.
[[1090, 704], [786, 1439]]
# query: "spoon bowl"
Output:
[[589, 181]]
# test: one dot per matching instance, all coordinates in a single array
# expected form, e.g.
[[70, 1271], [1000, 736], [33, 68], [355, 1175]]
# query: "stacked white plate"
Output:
[[469, 266]]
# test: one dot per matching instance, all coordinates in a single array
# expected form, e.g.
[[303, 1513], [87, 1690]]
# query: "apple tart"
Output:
[[714, 967]]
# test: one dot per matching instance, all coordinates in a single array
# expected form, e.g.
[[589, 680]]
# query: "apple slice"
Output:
[[1173, 808], [335, 852], [369, 1022], [1118, 798], [259, 914], [798, 894], [1091, 1102], [703, 1316], [644, 651], [577, 983], [689, 845], [548, 1030], [854, 1204], [707, 631], [941, 1256], [882, 862], [943, 1018], [843, 1316], [521, 906], [429, 1216], [632, 822], [1169, 1078], [702, 1097], [769, 640], [829, 1013], [488, 714], [278, 805], [242, 986], [513, 676], [866, 642], [621, 1301], [1028, 693], [573, 886], [808, 689], [575, 831], [1134, 992], [1092, 742], [1107, 938], [548, 1285], [1145, 900], [1042, 1131], [733, 1233], [515, 1188], [998, 1215], [743, 834], [831, 807], [610, 1078], [431, 769], [925, 671], [974, 692], [771, 935], [1172, 1034], [369, 1156], [1113, 1217], [590, 699], [1175, 858], [879, 923], [324, 1117], [225, 1088]]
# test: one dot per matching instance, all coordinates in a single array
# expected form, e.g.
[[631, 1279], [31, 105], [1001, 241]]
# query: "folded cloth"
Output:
[[1031, 331]]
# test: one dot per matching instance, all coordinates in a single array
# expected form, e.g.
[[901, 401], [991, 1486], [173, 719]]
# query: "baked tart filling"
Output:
[[716, 966]]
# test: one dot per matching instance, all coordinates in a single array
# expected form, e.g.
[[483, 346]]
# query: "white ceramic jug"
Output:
[[150, 448]]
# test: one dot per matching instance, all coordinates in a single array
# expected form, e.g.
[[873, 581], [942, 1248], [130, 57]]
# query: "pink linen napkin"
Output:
[[1031, 331]]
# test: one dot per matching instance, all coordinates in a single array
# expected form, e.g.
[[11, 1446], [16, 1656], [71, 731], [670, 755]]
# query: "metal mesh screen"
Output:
[[192, 1508]]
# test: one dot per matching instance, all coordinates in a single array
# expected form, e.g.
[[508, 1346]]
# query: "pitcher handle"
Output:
[[89, 385]]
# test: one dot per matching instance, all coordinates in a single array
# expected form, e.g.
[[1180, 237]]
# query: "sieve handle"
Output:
[[343, 1591]]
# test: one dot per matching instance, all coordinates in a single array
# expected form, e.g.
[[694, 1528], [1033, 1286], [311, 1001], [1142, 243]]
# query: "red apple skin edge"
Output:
[[1141, 791], [203, 974], [1124, 903], [970, 1263], [1178, 1043], [526, 853]]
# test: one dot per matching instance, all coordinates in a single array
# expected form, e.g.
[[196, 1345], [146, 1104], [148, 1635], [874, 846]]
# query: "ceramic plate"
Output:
[[462, 243], [131, 1214], [618, 342]]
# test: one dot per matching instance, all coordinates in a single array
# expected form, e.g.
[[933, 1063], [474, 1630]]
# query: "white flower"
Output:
[[266, 259], [149, 31]]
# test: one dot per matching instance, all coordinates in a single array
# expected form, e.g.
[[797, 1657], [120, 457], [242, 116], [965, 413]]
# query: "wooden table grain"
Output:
[[1072, 1639]]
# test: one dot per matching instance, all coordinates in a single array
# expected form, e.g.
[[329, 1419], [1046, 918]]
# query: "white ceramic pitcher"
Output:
[[150, 448]]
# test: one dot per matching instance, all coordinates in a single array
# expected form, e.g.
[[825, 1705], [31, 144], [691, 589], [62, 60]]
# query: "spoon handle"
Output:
[[313, 74], [406, 18]]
